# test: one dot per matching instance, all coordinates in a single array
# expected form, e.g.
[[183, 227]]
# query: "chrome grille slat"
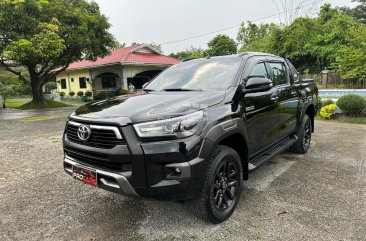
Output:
[[105, 137]]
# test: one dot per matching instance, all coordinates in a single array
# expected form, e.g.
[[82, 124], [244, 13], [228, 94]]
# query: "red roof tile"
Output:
[[126, 55]]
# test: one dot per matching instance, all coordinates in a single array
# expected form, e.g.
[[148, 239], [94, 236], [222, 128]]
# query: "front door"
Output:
[[287, 98], [261, 111]]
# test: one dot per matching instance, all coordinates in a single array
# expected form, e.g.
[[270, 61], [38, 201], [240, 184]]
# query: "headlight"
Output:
[[182, 126]]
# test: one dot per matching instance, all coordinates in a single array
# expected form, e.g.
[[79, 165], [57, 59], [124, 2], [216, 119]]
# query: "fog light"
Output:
[[177, 170]]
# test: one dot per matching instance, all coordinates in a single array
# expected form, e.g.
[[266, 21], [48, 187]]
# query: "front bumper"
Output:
[[109, 181], [163, 170]]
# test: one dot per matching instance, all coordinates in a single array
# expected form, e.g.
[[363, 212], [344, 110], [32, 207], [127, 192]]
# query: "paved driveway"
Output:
[[318, 196]]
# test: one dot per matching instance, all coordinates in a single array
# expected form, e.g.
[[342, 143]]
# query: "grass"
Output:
[[77, 100], [345, 119], [45, 104], [43, 117], [9, 103]]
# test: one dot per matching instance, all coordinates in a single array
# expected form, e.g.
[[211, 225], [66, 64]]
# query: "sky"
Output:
[[167, 22]]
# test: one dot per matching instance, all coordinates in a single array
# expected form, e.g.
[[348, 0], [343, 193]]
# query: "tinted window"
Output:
[[201, 74], [259, 70], [279, 73], [82, 83], [63, 84], [294, 74]]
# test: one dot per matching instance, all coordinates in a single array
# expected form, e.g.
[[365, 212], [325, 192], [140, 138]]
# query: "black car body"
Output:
[[260, 108]]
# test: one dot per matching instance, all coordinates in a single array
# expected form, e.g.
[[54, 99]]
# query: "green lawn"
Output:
[[345, 119], [25, 104], [45, 104], [9, 103], [78, 100]]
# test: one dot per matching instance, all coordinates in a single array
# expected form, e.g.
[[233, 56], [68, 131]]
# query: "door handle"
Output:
[[274, 98]]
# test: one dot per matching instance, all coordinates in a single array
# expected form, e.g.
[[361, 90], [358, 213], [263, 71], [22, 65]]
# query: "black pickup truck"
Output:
[[195, 132]]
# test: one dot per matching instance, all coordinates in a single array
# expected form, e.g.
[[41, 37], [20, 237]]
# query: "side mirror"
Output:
[[256, 84]]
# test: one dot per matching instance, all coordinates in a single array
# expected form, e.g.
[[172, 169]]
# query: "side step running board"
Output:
[[278, 148]]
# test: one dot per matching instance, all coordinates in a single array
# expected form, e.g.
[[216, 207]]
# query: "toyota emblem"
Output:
[[84, 132]]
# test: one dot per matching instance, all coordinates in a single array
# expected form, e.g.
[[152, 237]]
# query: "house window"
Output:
[[109, 82], [82, 83], [63, 84]]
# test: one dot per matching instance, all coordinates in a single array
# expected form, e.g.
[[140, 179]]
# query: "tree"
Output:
[[358, 12], [252, 37], [190, 53], [336, 33], [45, 36], [20, 88], [221, 45], [7, 90], [311, 43], [298, 43], [351, 59], [156, 46]]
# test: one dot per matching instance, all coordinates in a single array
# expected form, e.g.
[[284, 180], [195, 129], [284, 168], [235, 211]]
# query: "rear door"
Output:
[[287, 94], [260, 109]]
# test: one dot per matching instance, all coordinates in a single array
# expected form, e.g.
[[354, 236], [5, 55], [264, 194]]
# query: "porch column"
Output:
[[125, 75]]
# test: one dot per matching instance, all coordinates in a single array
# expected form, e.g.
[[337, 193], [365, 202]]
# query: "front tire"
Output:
[[304, 134], [222, 185]]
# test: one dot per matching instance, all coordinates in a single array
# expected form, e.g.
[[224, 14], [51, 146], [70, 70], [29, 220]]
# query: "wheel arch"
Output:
[[310, 111], [232, 134], [237, 142]]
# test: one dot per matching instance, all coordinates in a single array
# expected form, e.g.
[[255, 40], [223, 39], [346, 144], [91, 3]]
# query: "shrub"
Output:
[[88, 93], [62, 94], [72, 94], [352, 105], [327, 111], [328, 102], [124, 92], [80, 93], [319, 104]]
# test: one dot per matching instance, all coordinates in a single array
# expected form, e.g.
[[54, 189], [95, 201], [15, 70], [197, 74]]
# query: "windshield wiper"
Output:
[[180, 89], [148, 90]]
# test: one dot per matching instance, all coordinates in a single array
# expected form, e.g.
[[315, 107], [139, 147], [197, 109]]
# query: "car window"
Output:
[[294, 74], [259, 71], [278, 73]]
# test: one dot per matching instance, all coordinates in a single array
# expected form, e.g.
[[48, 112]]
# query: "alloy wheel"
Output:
[[226, 185], [307, 134]]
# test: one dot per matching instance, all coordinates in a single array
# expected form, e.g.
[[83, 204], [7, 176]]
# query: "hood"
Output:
[[144, 106]]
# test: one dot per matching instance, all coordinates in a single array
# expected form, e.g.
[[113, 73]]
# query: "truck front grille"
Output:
[[101, 137]]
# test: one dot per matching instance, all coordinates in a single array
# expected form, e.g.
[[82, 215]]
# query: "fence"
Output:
[[329, 80]]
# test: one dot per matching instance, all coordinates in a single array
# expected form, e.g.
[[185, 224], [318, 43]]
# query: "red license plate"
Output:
[[85, 175]]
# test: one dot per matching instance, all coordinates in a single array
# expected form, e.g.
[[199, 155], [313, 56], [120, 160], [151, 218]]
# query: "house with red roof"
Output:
[[136, 64]]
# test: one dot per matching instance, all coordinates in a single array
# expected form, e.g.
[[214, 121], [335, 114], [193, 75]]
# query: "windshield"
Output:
[[200, 75]]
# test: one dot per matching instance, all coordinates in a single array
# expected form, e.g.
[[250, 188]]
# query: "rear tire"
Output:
[[304, 134], [221, 187]]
